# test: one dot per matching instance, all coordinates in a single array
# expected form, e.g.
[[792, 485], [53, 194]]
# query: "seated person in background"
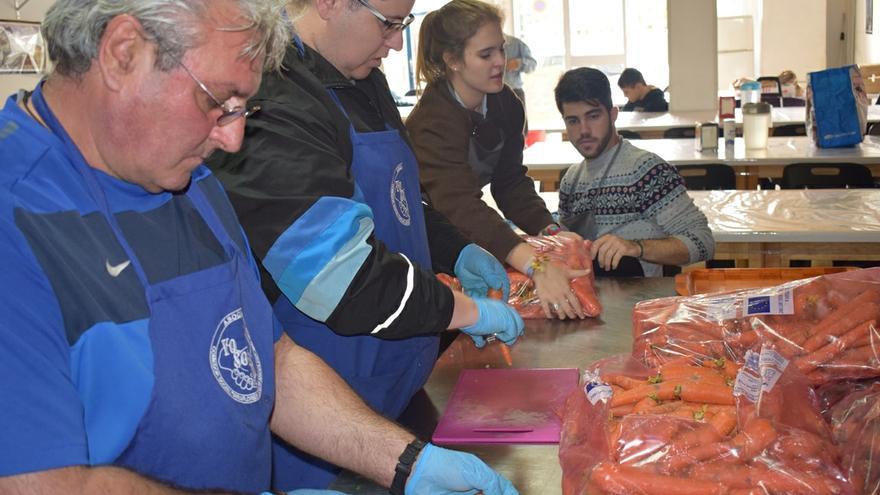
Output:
[[466, 131], [642, 97], [629, 201], [790, 86]]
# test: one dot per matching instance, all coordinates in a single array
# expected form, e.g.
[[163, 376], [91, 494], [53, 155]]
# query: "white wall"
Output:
[[867, 46], [693, 55], [34, 10], [840, 16], [793, 36]]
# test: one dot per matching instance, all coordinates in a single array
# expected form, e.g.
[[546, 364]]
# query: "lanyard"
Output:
[[88, 174]]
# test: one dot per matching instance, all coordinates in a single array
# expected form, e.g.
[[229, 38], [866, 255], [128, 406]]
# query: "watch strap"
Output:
[[404, 466]]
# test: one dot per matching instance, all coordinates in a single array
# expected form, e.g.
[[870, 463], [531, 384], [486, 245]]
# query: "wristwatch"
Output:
[[404, 466]]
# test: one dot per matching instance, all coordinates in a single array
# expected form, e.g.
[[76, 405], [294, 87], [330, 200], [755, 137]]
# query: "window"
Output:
[[563, 34]]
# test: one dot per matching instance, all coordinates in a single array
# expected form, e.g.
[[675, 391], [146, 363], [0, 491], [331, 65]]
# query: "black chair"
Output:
[[790, 101], [772, 100], [874, 129], [708, 177], [790, 130], [679, 132], [826, 176], [629, 134]]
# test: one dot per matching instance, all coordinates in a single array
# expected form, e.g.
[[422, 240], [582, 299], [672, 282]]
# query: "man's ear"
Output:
[[613, 113], [122, 49]]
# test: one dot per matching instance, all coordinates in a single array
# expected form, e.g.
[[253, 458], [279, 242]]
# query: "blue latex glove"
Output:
[[441, 471], [307, 491], [496, 318], [478, 271]]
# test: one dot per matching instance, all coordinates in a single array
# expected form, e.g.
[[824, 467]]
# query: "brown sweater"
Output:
[[442, 133]]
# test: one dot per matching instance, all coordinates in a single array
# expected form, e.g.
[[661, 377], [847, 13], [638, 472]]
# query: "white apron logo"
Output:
[[234, 360], [398, 197]]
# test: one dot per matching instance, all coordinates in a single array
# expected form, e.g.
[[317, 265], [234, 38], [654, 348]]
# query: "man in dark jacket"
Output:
[[327, 189], [642, 97]]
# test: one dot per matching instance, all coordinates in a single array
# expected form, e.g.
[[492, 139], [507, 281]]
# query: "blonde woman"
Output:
[[467, 132]]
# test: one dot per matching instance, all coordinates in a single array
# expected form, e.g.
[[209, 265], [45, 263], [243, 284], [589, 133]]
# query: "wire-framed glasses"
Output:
[[390, 26], [229, 115]]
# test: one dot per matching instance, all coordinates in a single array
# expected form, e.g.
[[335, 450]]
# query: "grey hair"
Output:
[[73, 29]]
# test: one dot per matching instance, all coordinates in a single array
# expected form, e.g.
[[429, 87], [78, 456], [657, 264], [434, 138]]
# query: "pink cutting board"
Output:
[[505, 406]]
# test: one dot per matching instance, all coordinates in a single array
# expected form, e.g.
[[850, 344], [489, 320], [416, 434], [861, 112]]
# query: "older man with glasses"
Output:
[[327, 188], [139, 353]]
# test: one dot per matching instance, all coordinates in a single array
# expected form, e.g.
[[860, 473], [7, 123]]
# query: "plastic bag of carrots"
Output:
[[855, 423], [689, 427], [559, 249], [827, 325]]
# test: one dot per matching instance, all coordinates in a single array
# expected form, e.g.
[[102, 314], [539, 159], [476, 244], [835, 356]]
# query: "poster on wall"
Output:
[[869, 16], [22, 50]]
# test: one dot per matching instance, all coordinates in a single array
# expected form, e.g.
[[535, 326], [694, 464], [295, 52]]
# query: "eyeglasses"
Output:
[[229, 115], [390, 26]]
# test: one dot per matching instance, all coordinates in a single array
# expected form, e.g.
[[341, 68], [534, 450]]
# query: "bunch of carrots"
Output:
[[560, 249], [523, 296], [833, 333], [678, 432]]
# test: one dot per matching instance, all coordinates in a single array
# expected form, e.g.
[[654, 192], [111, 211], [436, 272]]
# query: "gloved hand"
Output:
[[478, 271], [496, 318], [308, 491], [440, 471]]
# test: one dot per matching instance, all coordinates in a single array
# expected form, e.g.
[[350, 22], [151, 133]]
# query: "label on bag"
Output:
[[598, 392], [780, 303]]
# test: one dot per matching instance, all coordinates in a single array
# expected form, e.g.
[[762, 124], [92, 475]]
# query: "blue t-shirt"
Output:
[[80, 362]]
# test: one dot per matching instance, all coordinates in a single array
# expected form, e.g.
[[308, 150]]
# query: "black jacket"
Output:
[[652, 102], [296, 153]]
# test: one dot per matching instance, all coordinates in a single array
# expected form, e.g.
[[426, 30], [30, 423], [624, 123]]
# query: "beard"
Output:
[[603, 144]]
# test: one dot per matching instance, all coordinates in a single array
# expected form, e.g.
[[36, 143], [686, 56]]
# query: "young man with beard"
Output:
[[628, 201]]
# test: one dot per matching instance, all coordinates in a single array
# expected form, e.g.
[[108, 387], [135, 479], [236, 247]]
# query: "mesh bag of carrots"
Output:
[[827, 325], [688, 426], [559, 249], [855, 423], [566, 251]]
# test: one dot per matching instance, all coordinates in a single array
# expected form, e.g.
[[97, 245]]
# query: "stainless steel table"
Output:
[[534, 469]]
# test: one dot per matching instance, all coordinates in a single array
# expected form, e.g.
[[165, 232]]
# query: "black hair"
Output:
[[630, 77], [583, 84]]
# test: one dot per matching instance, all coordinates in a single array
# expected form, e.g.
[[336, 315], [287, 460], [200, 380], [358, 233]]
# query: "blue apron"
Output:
[[386, 374], [211, 334]]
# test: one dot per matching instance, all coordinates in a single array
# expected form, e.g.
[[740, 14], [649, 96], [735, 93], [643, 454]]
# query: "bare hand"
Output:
[[609, 249], [553, 286]]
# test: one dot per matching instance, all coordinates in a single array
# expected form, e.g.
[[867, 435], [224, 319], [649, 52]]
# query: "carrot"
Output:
[[620, 411], [623, 381], [692, 392], [757, 435], [625, 480], [811, 361], [724, 422], [643, 405], [734, 476], [495, 294], [841, 320]]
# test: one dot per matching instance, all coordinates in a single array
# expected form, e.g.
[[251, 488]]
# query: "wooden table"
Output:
[[770, 228], [534, 469], [545, 160]]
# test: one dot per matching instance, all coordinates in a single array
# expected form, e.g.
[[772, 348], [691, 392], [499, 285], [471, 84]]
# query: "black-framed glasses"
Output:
[[229, 115], [390, 26]]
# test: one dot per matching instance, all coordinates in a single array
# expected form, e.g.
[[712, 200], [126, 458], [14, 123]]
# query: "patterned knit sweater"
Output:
[[638, 196]]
